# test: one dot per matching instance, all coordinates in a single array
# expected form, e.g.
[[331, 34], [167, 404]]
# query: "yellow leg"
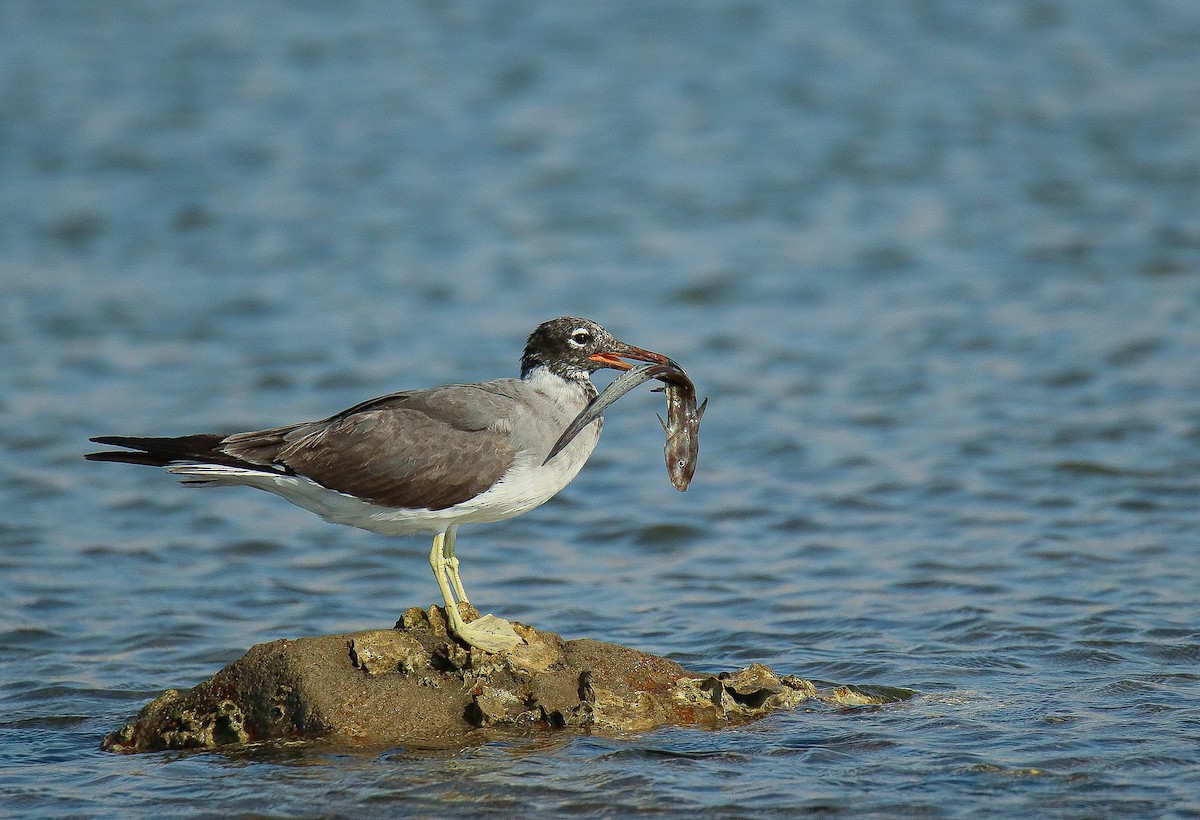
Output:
[[488, 632], [437, 560], [452, 563]]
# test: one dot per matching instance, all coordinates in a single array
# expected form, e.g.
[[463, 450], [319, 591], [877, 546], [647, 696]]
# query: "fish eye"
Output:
[[580, 337]]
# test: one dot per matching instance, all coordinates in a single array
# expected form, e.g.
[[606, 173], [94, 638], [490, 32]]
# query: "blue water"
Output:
[[935, 265]]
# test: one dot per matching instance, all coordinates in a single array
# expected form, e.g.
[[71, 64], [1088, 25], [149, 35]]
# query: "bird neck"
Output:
[[569, 392]]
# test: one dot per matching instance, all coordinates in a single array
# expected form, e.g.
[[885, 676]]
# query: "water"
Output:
[[935, 265]]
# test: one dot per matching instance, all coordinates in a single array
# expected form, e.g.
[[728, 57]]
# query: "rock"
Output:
[[413, 685]]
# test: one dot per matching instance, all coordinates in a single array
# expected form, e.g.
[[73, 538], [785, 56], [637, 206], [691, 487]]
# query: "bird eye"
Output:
[[581, 337]]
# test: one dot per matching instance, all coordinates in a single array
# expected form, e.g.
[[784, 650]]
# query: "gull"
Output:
[[424, 460]]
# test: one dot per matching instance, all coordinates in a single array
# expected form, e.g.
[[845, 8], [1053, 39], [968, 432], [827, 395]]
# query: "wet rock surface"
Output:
[[415, 685]]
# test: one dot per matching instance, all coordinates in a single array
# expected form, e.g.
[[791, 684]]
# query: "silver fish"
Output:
[[683, 416], [682, 429], [621, 385]]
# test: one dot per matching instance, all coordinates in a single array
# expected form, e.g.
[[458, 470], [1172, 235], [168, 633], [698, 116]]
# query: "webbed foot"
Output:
[[489, 633]]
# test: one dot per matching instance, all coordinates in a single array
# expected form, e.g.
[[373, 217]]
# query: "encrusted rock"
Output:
[[415, 685]]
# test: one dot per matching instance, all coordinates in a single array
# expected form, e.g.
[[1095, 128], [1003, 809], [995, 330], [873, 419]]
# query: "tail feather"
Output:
[[162, 452]]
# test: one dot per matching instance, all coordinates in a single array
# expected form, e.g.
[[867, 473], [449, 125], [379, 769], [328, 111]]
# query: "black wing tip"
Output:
[[120, 456], [136, 454], [125, 457], [154, 452]]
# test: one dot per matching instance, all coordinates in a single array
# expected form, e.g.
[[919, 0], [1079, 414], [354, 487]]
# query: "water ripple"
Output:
[[942, 302]]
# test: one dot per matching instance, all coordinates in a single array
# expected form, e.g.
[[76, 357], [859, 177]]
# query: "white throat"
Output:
[[569, 395]]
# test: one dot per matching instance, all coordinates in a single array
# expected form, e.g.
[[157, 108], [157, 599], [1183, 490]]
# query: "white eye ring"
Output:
[[580, 337]]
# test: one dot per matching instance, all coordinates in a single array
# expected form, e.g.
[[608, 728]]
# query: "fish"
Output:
[[620, 386], [683, 430], [681, 426]]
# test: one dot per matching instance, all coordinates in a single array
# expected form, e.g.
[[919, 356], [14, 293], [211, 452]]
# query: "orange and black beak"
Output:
[[614, 358]]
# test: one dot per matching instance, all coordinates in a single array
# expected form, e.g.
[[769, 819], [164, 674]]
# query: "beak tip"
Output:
[[614, 358]]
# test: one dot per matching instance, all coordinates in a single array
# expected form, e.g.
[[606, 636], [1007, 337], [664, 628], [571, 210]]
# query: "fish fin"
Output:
[[663, 423], [700, 409]]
